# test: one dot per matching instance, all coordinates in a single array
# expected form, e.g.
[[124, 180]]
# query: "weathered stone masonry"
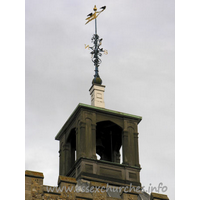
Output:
[[92, 131]]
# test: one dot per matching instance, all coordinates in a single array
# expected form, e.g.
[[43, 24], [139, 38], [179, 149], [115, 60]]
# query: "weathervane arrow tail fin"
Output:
[[89, 21], [91, 17]]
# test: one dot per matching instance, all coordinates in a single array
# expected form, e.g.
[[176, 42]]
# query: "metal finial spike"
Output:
[[95, 8]]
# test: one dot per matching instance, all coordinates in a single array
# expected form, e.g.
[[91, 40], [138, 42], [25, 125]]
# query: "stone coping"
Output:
[[158, 196], [34, 174], [66, 179]]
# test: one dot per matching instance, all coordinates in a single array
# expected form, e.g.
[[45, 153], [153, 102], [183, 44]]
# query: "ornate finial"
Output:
[[95, 8], [96, 50]]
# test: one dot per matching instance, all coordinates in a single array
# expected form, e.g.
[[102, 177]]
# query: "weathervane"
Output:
[[96, 50]]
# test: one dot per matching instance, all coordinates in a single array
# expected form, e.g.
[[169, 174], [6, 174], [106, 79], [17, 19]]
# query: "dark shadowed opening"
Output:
[[108, 141]]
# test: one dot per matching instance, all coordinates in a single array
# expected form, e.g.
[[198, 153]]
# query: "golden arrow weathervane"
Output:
[[94, 15]]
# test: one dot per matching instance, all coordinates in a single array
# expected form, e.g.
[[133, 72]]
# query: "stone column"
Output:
[[60, 168], [128, 144], [131, 146], [136, 149], [68, 157], [125, 147], [86, 136], [77, 147], [62, 160], [80, 139], [72, 155], [93, 147]]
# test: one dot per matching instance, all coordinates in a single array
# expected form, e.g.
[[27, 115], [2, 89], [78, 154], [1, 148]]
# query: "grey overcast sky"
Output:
[[138, 73]]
